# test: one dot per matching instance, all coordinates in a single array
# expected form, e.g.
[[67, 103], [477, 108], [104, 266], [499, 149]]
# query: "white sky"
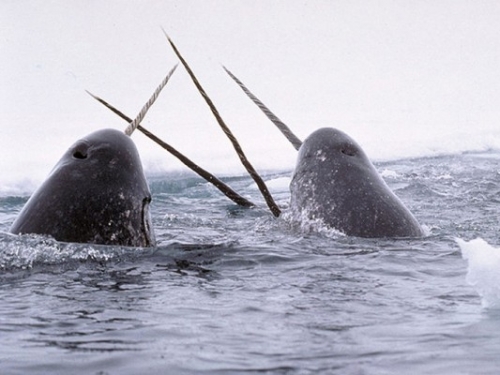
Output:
[[402, 77]]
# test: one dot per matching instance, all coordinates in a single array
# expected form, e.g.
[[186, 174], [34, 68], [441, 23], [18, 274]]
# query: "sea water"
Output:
[[236, 291]]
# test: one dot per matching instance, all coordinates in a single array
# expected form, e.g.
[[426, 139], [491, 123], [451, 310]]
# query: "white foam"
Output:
[[389, 173], [483, 271]]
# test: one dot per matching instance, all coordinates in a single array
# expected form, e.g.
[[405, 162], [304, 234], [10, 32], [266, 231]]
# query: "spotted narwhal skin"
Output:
[[335, 182]]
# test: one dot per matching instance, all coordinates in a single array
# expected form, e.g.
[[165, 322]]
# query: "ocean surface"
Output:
[[237, 291]]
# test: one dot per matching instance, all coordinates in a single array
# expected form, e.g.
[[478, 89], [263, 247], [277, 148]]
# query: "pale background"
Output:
[[404, 78]]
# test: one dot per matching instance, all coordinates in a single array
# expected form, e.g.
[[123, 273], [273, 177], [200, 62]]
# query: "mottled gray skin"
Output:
[[97, 193], [336, 183]]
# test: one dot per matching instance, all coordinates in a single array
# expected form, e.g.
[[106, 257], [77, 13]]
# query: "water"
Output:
[[230, 290]]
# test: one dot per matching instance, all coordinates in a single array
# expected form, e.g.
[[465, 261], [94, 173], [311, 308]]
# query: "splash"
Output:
[[483, 272], [302, 222], [28, 251]]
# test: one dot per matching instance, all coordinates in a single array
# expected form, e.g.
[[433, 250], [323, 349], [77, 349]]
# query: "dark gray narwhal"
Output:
[[97, 192], [335, 182]]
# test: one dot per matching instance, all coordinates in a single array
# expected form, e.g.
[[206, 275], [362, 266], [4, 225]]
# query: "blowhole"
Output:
[[348, 151], [80, 155]]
